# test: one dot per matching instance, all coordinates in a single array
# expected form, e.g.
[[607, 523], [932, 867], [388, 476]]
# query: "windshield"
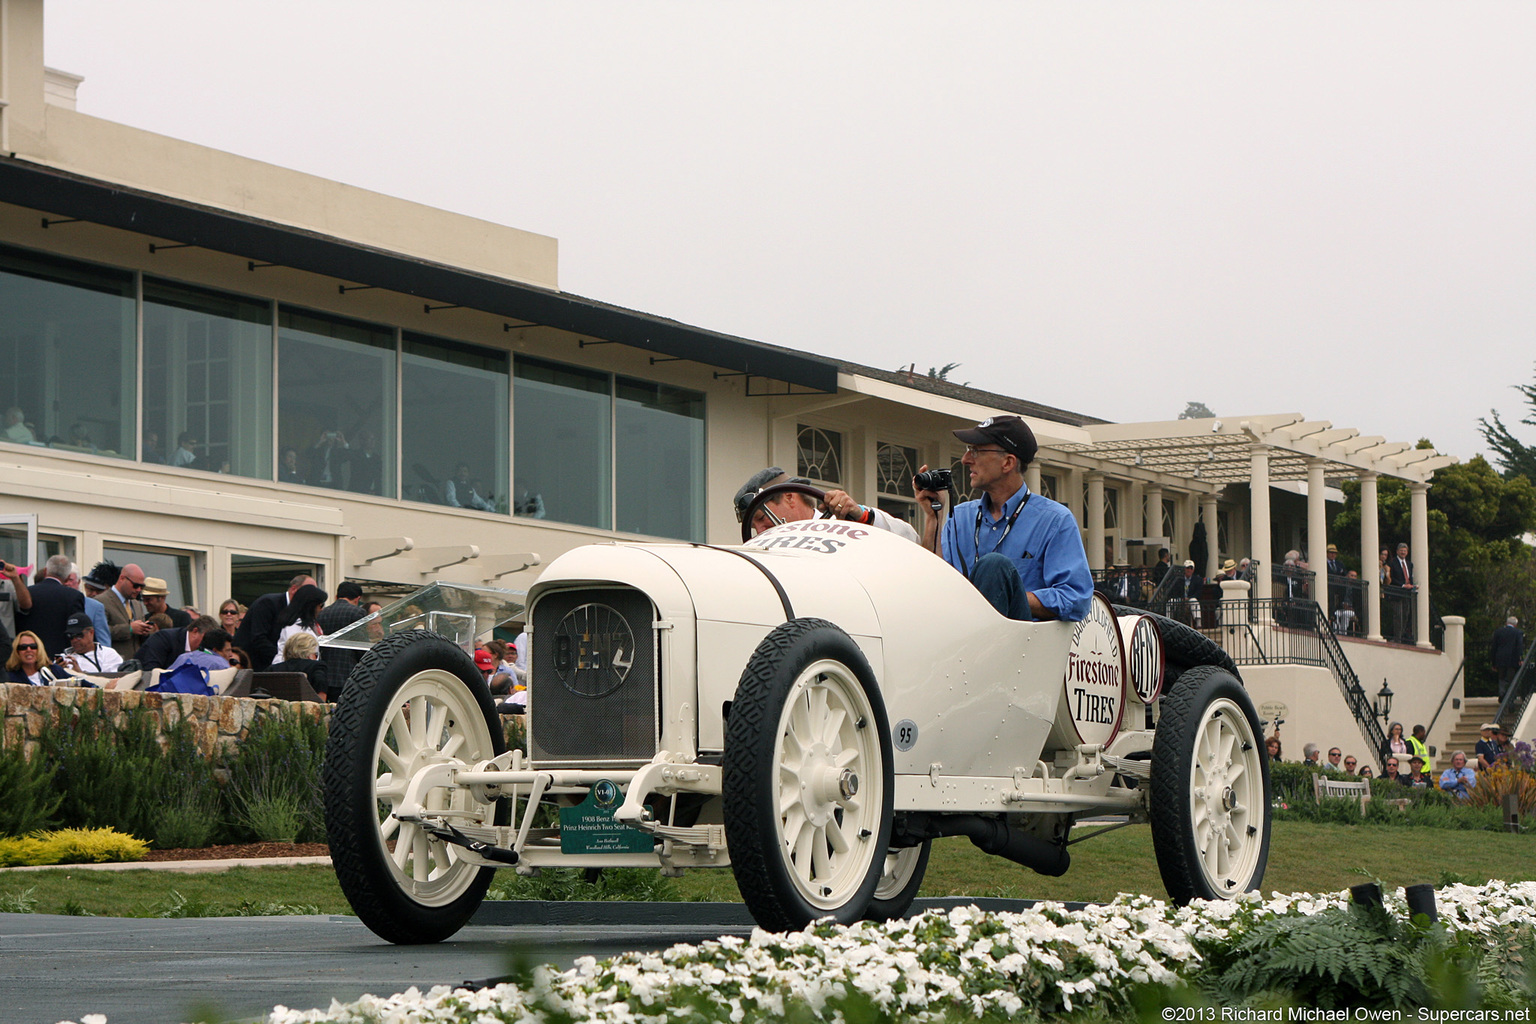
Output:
[[460, 611]]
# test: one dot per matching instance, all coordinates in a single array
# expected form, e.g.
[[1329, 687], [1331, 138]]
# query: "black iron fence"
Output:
[[1268, 632]]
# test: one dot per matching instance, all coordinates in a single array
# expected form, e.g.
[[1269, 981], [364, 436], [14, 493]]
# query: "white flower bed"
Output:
[[963, 963]]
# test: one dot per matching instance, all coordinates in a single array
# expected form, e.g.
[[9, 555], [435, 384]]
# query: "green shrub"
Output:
[[266, 805], [30, 801], [125, 777], [189, 820], [70, 846], [1338, 957], [1291, 785], [274, 781]]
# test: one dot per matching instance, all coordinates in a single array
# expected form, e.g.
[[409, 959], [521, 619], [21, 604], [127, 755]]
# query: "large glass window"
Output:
[[454, 424], [335, 403], [207, 380], [562, 436], [177, 568], [67, 354], [659, 432]]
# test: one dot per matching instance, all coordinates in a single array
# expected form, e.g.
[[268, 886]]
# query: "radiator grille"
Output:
[[593, 687]]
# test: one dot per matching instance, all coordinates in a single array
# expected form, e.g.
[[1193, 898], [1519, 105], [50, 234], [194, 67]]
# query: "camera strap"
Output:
[[976, 534]]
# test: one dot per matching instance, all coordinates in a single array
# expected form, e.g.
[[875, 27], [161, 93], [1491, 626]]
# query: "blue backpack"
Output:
[[185, 678]]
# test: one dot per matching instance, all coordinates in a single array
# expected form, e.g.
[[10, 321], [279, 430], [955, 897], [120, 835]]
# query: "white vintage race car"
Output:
[[811, 710]]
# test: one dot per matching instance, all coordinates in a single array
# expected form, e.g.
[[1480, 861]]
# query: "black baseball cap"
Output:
[[77, 624], [1011, 432]]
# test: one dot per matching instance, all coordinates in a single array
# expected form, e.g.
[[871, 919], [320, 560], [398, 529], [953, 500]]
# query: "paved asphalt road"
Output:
[[139, 971]]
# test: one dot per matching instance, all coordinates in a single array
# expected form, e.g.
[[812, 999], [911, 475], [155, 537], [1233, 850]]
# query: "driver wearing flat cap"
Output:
[[791, 505], [1024, 552]]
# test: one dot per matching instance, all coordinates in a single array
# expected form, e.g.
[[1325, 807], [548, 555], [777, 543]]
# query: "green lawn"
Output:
[[1304, 857]]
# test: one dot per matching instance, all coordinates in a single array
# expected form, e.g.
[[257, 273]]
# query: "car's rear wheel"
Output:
[[807, 787], [1210, 789], [415, 700], [900, 879]]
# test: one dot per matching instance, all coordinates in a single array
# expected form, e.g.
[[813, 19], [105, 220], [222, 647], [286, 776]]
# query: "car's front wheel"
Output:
[[807, 786], [415, 701]]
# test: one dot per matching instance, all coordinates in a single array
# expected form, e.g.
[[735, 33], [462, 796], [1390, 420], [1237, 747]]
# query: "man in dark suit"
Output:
[[1508, 651], [1400, 574], [264, 620], [164, 646], [338, 615], [52, 605]]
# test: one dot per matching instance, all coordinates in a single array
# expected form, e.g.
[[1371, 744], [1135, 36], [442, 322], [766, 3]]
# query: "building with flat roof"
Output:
[[229, 371]]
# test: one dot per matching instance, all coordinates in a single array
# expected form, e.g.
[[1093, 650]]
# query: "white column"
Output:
[[1072, 483], [1418, 511], [1032, 477], [1258, 517], [1234, 602], [1317, 533], [1212, 536], [1153, 511], [1370, 548], [1094, 519]]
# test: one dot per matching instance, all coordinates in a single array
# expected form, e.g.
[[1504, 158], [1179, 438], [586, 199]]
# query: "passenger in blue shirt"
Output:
[[1021, 550]]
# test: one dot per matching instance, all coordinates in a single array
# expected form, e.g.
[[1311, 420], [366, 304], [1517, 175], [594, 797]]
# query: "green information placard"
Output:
[[589, 826]]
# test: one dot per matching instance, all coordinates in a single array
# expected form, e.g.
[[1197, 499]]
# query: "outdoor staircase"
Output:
[[1464, 735]]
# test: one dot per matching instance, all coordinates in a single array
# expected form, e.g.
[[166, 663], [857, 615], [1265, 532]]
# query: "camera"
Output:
[[934, 480]]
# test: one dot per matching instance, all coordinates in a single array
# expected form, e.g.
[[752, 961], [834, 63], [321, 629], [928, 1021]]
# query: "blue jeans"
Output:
[[998, 580]]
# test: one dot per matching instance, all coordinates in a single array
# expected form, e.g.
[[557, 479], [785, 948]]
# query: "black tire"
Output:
[[807, 848], [411, 673], [1210, 794], [899, 882]]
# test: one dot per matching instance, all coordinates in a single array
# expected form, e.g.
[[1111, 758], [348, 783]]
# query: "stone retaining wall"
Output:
[[218, 723]]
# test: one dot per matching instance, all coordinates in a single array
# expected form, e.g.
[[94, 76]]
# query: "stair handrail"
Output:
[[1446, 696], [1359, 702], [1520, 689]]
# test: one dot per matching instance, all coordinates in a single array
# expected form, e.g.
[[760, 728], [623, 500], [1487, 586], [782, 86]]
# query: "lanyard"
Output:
[[976, 535]]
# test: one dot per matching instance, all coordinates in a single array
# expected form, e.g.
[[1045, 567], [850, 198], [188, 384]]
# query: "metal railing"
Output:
[[1399, 614], [1512, 707], [1347, 594], [1260, 632], [1286, 631], [1360, 703]]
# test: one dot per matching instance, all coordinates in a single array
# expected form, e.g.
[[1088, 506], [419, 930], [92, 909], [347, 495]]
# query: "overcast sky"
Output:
[[1114, 209]]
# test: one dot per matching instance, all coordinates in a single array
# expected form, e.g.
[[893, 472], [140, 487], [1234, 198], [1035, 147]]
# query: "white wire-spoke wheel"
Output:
[[1210, 789], [900, 879], [414, 703], [807, 779]]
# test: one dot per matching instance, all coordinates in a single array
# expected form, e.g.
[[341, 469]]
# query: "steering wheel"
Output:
[[767, 494]]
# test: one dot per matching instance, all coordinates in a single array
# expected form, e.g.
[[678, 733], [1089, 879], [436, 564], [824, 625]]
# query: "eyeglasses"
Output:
[[26, 647], [230, 611], [136, 584], [1349, 763], [972, 450]]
